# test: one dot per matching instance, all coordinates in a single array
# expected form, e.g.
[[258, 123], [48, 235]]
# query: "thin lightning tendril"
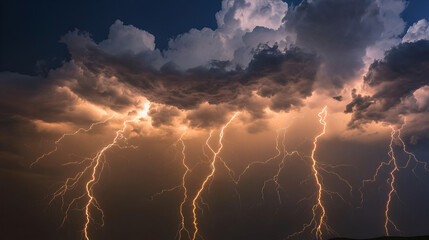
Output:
[[280, 166], [58, 141]]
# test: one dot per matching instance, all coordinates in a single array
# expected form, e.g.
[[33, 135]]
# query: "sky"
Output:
[[233, 119]]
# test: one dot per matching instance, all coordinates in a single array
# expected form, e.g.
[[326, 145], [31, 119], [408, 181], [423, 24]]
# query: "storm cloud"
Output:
[[398, 82], [262, 55]]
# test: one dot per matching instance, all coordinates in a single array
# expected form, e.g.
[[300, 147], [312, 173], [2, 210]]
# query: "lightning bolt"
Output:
[[318, 222], [58, 141], [211, 174], [94, 170], [322, 119], [391, 179], [185, 191], [392, 182], [395, 168], [89, 186], [182, 225]]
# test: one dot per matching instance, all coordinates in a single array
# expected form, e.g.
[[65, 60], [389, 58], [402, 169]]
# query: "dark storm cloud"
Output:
[[286, 78], [331, 38], [394, 79], [250, 52], [29, 97], [163, 115], [340, 31], [338, 98]]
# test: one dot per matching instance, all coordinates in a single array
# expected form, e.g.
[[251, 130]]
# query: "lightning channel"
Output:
[[318, 222], [94, 170], [211, 174], [182, 225], [395, 169]]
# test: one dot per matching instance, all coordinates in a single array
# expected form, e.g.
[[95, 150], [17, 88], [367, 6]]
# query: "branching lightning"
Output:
[[58, 141], [391, 180], [89, 176], [210, 175], [182, 225], [93, 170], [318, 222], [280, 165]]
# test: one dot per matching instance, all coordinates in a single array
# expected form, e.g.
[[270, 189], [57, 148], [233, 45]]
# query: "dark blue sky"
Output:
[[30, 30]]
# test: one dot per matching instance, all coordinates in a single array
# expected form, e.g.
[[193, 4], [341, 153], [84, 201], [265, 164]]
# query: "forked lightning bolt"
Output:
[[94, 170], [96, 164], [318, 222], [182, 227], [210, 175], [391, 180]]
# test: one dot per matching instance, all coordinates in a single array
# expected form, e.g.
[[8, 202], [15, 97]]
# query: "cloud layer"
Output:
[[263, 55]]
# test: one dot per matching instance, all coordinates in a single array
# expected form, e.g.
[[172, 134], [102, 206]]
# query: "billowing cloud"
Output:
[[262, 55], [393, 27], [418, 31], [125, 39], [244, 64], [242, 26], [339, 31], [286, 78], [398, 83]]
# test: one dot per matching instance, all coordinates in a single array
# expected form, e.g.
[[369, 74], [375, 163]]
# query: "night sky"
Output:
[[208, 120]]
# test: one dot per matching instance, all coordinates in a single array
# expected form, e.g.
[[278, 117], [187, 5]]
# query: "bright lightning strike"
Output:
[[322, 119], [392, 183], [318, 223], [182, 225], [89, 186], [94, 170], [395, 168], [391, 179], [185, 191], [211, 174]]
